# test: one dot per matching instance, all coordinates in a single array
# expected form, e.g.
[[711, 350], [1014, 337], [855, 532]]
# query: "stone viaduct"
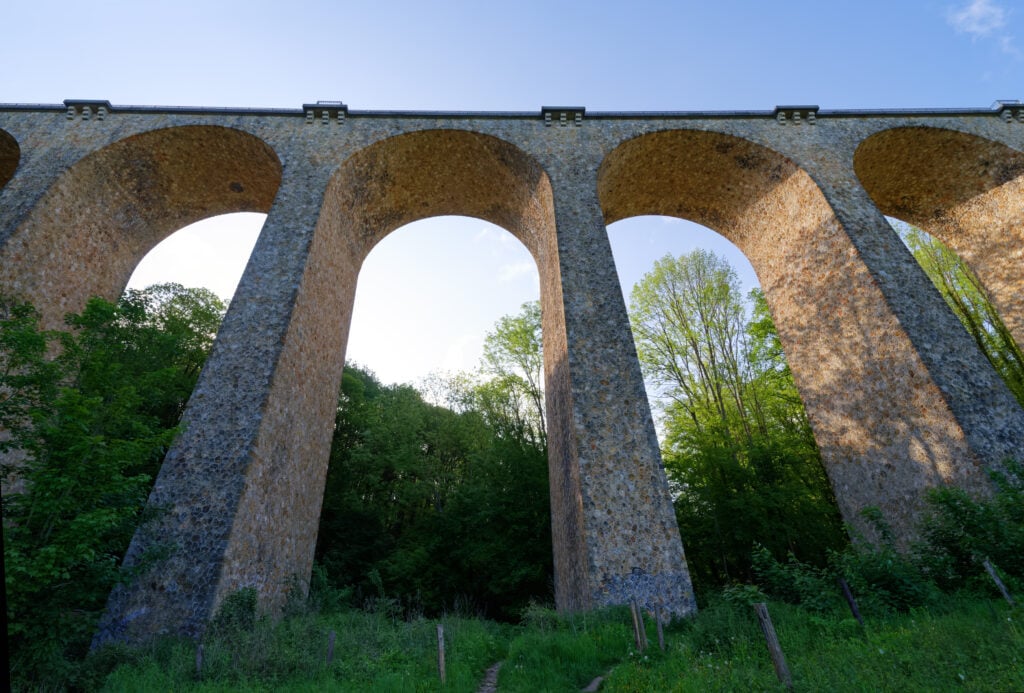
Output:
[[899, 397]]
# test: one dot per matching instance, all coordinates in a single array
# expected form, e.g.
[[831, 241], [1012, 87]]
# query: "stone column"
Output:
[[614, 527], [239, 494], [26, 174], [917, 405], [990, 416]]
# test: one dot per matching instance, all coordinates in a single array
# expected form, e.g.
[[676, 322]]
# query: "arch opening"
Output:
[[10, 156], [966, 191], [400, 192], [840, 338], [95, 224], [84, 238], [417, 177], [209, 254], [422, 424], [732, 429], [967, 297]]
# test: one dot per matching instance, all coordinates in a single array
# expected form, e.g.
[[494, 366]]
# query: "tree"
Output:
[[439, 503], [688, 321], [88, 414], [512, 391], [963, 292], [431, 504], [737, 446]]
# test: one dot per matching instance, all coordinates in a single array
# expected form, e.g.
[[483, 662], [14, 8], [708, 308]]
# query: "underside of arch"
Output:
[[441, 172], [879, 419], [756, 198], [10, 155], [94, 225], [965, 190]]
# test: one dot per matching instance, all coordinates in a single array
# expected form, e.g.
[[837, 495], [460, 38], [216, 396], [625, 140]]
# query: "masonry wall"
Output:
[[898, 395]]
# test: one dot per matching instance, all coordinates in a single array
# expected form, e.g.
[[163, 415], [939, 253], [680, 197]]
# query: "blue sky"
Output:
[[430, 291]]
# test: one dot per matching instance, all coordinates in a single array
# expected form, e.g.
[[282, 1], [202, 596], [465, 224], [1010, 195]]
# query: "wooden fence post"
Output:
[[990, 569], [330, 647], [440, 652], [639, 631], [778, 658], [850, 600], [199, 661]]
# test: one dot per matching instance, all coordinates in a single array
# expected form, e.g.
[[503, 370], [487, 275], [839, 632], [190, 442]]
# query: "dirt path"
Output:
[[490, 682]]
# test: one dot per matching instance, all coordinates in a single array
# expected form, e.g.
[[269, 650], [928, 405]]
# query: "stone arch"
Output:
[[967, 191], [418, 175], [91, 228], [10, 155], [406, 178], [832, 317], [375, 191], [430, 173]]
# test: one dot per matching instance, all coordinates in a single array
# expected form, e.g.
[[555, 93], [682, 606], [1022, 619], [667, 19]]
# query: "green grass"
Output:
[[968, 643], [372, 653], [564, 653]]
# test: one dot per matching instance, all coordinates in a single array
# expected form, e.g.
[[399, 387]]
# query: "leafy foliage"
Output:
[[432, 504], [961, 531], [975, 644], [965, 295], [956, 535], [737, 446], [236, 614], [372, 652], [972, 644], [446, 506], [508, 390], [88, 415]]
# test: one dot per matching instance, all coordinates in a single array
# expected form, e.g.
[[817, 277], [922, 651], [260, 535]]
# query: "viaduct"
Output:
[[899, 397]]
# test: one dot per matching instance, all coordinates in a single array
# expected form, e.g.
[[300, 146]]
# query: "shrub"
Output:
[[236, 614], [794, 581], [960, 532]]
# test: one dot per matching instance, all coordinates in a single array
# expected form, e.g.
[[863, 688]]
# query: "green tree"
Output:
[[965, 295], [507, 389], [737, 446], [445, 503], [88, 414], [688, 321], [511, 392]]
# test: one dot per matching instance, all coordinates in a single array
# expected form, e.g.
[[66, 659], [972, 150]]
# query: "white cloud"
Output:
[[519, 269], [493, 234], [463, 353], [984, 19], [978, 18], [1006, 45], [483, 234]]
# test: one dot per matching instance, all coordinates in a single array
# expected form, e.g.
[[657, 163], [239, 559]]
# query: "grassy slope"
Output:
[[970, 644]]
